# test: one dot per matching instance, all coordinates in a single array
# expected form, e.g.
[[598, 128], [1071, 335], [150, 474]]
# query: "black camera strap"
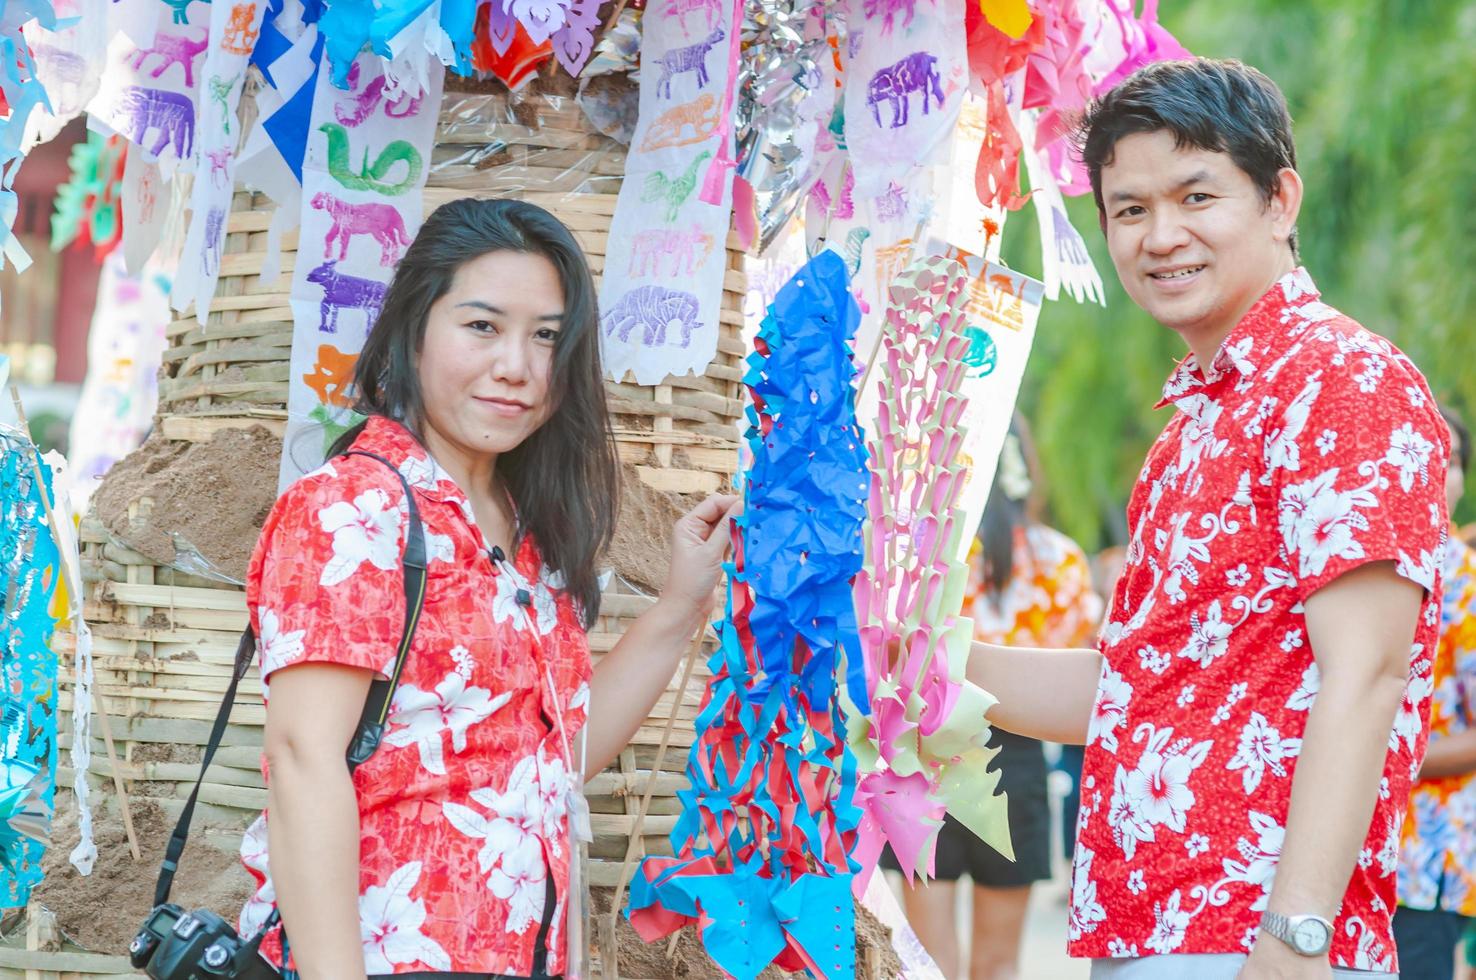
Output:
[[370, 730]]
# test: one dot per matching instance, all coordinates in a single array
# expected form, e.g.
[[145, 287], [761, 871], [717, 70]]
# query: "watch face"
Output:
[[1310, 936]]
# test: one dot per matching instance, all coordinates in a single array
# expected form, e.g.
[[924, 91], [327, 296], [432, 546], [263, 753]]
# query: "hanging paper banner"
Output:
[[22, 93], [235, 26], [149, 89], [907, 75], [65, 64], [125, 344], [31, 565], [922, 752], [762, 845], [1064, 254], [363, 176], [968, 221], [661, 290], [144, 198]]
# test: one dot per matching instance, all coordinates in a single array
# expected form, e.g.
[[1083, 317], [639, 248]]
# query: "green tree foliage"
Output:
[[1383, 95]]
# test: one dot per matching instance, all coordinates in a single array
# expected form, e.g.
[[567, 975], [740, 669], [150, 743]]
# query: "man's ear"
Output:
[[1285, 204]]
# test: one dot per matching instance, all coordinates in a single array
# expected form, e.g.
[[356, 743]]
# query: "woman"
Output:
[[448, 851], [1029, 586]]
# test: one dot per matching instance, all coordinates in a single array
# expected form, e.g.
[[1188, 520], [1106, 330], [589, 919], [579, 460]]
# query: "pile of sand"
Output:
[[211, 497]]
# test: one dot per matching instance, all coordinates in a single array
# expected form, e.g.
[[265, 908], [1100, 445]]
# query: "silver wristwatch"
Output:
[[1309, 935]]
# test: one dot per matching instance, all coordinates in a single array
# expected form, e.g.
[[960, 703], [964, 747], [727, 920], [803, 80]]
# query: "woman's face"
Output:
[[487, 356]]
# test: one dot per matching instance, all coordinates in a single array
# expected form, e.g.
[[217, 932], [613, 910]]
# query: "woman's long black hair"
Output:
[[564, 478], [1007, 513]]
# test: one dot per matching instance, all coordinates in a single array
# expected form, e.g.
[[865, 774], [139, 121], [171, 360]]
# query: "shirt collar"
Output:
[[392, 440], [1254, 341]]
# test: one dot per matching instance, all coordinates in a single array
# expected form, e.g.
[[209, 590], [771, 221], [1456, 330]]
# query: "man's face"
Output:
[[1194, 242]]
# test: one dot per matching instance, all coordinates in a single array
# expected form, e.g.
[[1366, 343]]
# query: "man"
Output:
[[1256, 713], [1437, 857]]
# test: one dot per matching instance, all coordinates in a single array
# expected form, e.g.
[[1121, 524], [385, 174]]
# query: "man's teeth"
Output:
[[1179, 274]]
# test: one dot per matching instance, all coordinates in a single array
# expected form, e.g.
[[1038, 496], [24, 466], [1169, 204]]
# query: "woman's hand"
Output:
[[699, 546]]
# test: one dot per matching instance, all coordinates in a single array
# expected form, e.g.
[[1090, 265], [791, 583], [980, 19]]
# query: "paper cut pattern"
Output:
[[671, 285], [922, 752], [363, 175], [762, 846], [30, 570]]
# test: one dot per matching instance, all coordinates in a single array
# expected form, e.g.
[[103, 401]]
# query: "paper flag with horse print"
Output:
[[234, 27], [65, 60], [905, 83], [1064, 254], [922, 750], [662, 284], [362, 178], [150, 92]]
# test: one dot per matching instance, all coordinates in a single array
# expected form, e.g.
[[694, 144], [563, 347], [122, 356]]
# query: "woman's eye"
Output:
[[548, 334], [481, 326]]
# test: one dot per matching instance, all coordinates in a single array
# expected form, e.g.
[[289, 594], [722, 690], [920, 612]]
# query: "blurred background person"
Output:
[[1029, 585]]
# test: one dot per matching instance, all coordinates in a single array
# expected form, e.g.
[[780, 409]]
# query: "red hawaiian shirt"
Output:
[[464, 838], [1309, 447]]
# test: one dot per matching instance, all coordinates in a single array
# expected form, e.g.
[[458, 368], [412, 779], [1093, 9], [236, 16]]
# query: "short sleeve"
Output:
[[326, 584], [1357, 461]]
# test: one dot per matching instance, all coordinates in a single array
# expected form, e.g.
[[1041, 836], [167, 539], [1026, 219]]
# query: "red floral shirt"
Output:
[[464, 835], [1309, 447]]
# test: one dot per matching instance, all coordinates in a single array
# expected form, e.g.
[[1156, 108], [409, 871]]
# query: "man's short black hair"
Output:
[[1462, 437], [1207, 104]]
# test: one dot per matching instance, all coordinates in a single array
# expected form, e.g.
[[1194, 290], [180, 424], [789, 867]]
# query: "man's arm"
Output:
[[1043, 694], [1450, 755], [1361, 626]]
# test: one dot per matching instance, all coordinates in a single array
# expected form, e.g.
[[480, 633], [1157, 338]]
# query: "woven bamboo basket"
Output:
[[164, 640]]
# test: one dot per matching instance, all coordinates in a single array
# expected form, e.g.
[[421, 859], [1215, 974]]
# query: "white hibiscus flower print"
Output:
[[278, 647], [423, 718], [254, 856], [1305, 695], [1318, 523], [1370, 953], [1209, 637], [1196, 845], [1135, 882], [1409, 722], [1410, 452], [1110, 711], [553, 790], [1258, 859], [1170, 924], [1238, 576], [439, 547], [389, 925], [505, 604], [1118, 949], [1415, 395], [1420, 571], [1158, 788], [1261, 749], [366, 530], [1086, 912], [1282, 447], [1153, 660], [1327, 441], [511, 856], [545, 603]]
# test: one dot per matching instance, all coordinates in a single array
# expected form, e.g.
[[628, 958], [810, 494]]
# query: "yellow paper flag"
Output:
[[1011, 16]]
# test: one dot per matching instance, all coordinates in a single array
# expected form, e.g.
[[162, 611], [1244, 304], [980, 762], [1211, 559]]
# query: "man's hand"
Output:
[[1272, 959]]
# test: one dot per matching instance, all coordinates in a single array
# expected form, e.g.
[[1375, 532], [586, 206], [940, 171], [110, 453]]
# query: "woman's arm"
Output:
[[313, 822], [628, 682]]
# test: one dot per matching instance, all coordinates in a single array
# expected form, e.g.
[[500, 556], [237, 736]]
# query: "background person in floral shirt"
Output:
[[449, 850], [1437, 855], [1257, 711]]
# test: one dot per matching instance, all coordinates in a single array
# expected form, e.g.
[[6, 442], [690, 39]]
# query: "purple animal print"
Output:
[[172, 49], [654, 309], [361, 105], [886, 10], [918, 72], [345, 292], [66, 71], [892, 206], [214, 235], [170, 113], [687, 250], [692, 58], [712, 10], [380, 221]]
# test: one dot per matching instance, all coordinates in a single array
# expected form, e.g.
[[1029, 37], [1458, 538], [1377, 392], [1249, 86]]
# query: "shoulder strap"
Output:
[[370, 730]]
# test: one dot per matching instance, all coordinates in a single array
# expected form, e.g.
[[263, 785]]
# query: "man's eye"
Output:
[[1198, 197], [1131, 212]]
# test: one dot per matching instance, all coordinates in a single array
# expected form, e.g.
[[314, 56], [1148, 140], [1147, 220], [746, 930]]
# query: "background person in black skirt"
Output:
[[1030, 586]]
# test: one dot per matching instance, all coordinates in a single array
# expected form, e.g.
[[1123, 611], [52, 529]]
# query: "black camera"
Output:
[[178, 945]]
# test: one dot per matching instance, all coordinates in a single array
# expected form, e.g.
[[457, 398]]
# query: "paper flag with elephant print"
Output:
[[149, 92], [362, 182], [662, 285]]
